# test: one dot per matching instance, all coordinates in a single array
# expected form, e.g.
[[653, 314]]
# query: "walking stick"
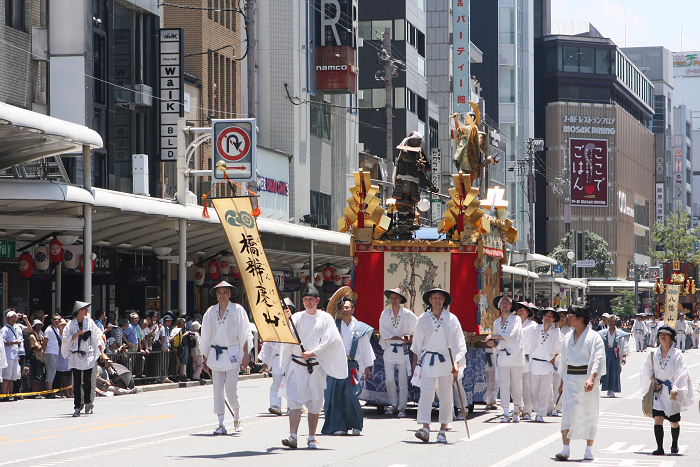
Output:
[[225, 401], [461, 401], [309, 366]]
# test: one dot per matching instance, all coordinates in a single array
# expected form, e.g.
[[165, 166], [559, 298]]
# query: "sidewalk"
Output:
[[191, 384]]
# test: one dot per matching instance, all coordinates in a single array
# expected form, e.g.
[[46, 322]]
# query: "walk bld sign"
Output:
[[234, 144]]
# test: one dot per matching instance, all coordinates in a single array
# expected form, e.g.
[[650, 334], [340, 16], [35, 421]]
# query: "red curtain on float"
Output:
[[369, 285], [463, 289]]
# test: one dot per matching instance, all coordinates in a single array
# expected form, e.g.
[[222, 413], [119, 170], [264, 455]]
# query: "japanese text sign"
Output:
[[673, 293], [258, 279], [589, 172], [460, 63]]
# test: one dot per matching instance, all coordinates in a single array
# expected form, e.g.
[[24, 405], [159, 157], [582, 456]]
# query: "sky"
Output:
[[648, 22]]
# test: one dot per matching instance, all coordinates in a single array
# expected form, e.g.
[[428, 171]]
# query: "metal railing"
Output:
[[153, 365]]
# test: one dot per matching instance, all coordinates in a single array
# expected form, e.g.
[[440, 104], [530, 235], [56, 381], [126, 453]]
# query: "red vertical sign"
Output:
[[589, 172]]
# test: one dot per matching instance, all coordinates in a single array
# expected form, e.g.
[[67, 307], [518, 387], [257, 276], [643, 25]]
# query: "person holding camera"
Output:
[[82, 344]]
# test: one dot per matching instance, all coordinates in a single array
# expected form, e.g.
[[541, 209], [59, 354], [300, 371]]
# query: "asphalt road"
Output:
[[174, 427]]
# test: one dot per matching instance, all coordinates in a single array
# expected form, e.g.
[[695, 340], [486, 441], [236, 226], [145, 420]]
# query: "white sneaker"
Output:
[[516, 419], [441, 438], [423, 434], [221, 430]]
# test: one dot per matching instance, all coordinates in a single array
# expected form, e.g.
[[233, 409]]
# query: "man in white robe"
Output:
[[525, 312], [305, 376], [544, 349], [681, 332], [582, 365], [82, 344], [639, 331], [564, 329], [437, 331], [396, 327], [225, 341], [271, 357]]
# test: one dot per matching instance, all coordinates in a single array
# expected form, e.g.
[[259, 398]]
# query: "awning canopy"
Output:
[[612, 286], [27, 136], [519, 272], [31, 209]]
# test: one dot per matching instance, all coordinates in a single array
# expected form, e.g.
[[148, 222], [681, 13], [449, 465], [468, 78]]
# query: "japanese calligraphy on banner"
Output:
[[589, 172], [460, 56], [673, 293], [261, 289]]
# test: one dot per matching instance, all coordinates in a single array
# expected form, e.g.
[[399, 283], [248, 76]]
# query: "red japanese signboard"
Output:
[[589, 172]]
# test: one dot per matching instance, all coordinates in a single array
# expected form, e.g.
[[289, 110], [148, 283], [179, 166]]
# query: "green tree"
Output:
[[597, 249], [676, 237], [624, 304]]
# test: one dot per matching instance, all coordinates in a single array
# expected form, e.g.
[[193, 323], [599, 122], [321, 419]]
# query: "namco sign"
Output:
[[336, 46]]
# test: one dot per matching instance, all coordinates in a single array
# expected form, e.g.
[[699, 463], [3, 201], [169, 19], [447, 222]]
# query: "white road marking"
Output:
[[32, 421], [633, 376], [627, 463], [485, 432], [179, 400], [528, 450]]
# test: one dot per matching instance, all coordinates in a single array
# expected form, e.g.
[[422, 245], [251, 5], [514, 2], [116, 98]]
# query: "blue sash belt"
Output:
[[506, 351], [219, 350], [666, 383], [432, 357], [547, 361], [396, 346]]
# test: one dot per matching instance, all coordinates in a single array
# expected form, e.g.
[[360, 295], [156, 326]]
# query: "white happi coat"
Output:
[[513, 343], [544, 346], [232, 333], [271, 355], [429, 337], [580, 409], [92, 347], [318, 334], [528, 338], [364, 355], [405, 324], [673, 369]]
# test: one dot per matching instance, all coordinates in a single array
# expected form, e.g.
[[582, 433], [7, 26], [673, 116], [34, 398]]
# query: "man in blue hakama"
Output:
[[616, 350], [342, 410]]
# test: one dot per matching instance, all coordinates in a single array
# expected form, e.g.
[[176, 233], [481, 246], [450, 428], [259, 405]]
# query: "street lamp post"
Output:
[[637, 269]]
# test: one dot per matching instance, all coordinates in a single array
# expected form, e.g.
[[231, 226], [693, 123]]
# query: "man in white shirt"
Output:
[[396, 327], [681, 332], [13, 339], [52, 347], [639, 330]]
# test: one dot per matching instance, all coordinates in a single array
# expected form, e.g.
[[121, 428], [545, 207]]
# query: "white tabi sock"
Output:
[[506, 412], [221, 420], [312, 437], [566, 451], [236, 414], [589, 451]]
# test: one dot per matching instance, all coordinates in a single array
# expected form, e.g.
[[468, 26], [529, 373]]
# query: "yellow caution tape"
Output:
[[40, 393]]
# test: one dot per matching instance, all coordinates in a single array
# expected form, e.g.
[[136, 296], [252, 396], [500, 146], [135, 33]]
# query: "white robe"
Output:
[[676, 372], [451, 335], [639, 329], [271, 355], [319, 335], [513, 343], [405, 324], [528, 338], [544, 346], [92, 347], [580, 409], [364, 355], [3, 357], [233, 334]]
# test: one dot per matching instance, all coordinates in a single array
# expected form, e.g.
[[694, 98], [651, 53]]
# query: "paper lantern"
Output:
[[235, 271], [337, 279], [41, 258], [347, 280], [318, 279], [199, 276], [94, 256], [224, 266], [71, 258], [213, 269], [26, 265], [56, 251], [328, 273]]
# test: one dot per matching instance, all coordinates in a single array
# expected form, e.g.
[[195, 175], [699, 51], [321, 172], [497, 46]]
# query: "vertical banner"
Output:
[[244, 240], [460, 54], [436, 176], [589, 172], [172, 87], [673, 293]]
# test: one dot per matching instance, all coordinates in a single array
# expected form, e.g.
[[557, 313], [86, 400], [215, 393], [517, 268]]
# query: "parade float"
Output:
[[466, 260], [680, 276]]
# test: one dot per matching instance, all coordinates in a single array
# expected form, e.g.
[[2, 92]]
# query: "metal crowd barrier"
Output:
[[154, 365]]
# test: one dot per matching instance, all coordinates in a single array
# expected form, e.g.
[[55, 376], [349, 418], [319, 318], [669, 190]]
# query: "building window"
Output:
[[99, 66], [14, 14], [374, 30], [506, 26], [320, 210], [420, 108], [399, 98], [374, 98], [571, 59], [554, 59], [507, 88], [410, 101], [433, 128], [416, 38], [586, 56], [320, 117], [602, 61]]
